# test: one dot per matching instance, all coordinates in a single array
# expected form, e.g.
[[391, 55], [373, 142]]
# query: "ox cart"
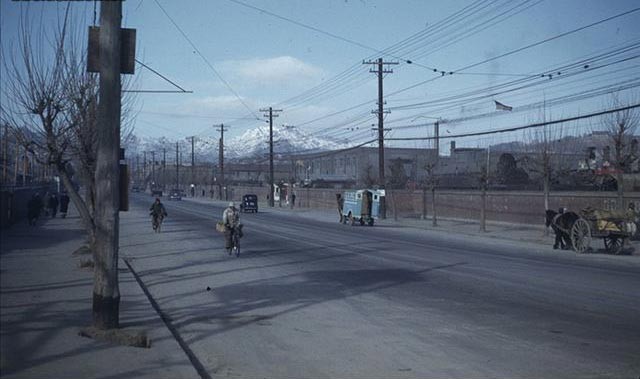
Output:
[[613, 227]]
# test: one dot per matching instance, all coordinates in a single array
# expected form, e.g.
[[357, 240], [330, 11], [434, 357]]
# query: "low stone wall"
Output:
[[505, 206]]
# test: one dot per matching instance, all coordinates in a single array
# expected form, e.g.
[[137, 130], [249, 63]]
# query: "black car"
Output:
[[176, 194], [249, 203]]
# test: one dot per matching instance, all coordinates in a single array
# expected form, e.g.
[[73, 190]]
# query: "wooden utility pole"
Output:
[[144, 169], [106, 292], [153, 170], [177, 167], [193, 167], [164, 168], [221, 184], [380, 72], [271, 180]]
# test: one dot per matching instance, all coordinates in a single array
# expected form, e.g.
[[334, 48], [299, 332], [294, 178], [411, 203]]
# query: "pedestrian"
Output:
[[64, 204], [45, 203], [340, 201], [34, 207], [203, 192], [53, 205], [293, 200]]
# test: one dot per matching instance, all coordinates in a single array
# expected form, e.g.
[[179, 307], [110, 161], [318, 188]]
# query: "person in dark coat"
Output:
[[34, 207], [64, 204], [53, 205]]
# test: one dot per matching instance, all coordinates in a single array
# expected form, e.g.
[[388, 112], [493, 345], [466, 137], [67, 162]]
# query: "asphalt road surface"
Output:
[[315, 299]]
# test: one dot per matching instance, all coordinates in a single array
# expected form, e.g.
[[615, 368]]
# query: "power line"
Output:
[[513, 129], [195, 48]]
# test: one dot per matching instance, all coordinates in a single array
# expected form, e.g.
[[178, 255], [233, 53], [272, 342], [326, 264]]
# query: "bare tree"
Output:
[[431, 182], [52, 109], [622, 127]]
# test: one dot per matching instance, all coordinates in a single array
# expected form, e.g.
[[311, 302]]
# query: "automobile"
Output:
[[176, 194], [156, 192], [135, 189], [249, 203]]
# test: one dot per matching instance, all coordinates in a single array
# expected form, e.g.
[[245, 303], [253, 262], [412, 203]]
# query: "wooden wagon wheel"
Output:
[[614, 244], [580, 235]]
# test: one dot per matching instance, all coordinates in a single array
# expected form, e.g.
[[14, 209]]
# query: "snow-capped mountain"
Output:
[[252, 144]]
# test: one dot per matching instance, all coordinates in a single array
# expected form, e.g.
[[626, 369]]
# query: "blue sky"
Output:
[[266, 61]]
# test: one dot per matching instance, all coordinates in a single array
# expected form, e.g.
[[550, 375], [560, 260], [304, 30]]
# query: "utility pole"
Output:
[[164, 168], [106, 292], [153, 170], [436, 132], [177, 168], [193, 166], [380, 71], [144, 169], [271, 116], [221, 184]]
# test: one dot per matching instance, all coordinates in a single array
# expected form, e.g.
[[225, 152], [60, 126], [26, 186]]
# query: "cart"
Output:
[[362, 206], [613, 227]]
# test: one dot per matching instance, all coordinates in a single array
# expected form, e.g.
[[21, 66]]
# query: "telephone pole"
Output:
[[177, 168], [164, 168], [153, 170], [221, 184], [271, 116], [193, 166], [380, 71], [106, 292], [144, 169]]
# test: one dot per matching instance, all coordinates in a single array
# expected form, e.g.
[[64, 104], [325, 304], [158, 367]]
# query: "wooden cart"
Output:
[[613, 227]]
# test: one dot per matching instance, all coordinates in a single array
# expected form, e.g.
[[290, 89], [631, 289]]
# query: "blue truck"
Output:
[[362, 206]]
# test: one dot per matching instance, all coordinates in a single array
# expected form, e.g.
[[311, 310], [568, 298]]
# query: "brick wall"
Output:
[[506, 206]]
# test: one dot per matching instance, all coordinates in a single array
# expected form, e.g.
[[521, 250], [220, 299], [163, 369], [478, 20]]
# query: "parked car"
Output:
[[135, 189], [249, 203], [156, 192], [176, 194]]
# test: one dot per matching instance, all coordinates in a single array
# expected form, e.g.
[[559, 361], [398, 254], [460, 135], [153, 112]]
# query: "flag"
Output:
[[502, 107]]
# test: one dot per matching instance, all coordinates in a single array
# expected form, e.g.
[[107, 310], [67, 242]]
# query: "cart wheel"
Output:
[[580, 235], [614, 244]]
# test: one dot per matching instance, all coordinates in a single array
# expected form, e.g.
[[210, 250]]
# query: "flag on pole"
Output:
[[502, 107]]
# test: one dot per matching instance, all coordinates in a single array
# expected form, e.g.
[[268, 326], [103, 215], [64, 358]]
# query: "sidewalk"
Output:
[[46, 298]]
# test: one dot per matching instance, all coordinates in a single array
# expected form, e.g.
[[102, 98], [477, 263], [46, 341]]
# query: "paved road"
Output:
[[313, 298]]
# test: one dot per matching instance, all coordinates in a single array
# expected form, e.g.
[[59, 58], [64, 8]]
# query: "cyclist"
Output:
[[231, 220], [158, 213]]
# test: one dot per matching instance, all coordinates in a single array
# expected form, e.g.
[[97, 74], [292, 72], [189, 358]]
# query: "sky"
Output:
[[305, 58]]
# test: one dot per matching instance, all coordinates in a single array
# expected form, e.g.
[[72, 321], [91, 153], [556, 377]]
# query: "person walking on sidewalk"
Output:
[[34, 208], [53, 205], [64, 204]]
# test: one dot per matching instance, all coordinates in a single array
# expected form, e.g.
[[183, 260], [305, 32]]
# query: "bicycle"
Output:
[[235, 243], [156, 223]]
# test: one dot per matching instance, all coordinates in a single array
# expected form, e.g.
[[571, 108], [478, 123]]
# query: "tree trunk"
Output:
[[434, 219], [106, 293], [620, 183], [424, 203], [545, 185], [483, 209]]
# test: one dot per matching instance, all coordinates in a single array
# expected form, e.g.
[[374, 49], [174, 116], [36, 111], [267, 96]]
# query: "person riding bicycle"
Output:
[[157, 211], [231, 220]]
